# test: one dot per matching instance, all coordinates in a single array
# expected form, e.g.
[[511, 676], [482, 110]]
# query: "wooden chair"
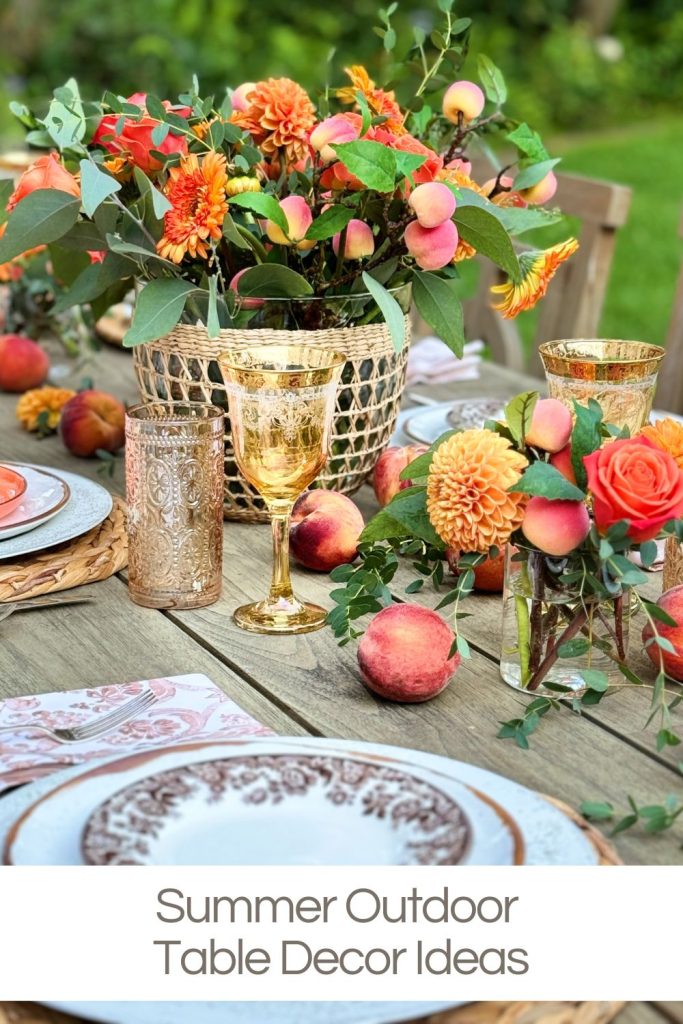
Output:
[[670, 384], [573, 304]]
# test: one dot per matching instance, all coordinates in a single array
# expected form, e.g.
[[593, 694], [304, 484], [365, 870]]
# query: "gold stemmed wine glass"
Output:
[[281, 399]]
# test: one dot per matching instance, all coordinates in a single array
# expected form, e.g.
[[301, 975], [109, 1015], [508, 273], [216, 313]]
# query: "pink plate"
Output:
[[12, 489]]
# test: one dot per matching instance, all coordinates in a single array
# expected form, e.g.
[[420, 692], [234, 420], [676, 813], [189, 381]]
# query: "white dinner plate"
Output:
[[548, 836], [90, 503], [427, 424], [251, 1013], [262, 802], [45, 496]]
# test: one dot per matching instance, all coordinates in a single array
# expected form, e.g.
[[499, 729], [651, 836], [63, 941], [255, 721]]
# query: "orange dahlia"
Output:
[[279, 117], [40, 408], [538, 269], [468, 500], [197, 194], [381, 103], [668, 435]]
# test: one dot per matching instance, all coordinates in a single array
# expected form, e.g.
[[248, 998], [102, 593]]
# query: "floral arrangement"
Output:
[[578, 507], [215, 206]]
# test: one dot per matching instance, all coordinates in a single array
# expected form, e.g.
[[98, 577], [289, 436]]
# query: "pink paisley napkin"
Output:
[[188, 708]]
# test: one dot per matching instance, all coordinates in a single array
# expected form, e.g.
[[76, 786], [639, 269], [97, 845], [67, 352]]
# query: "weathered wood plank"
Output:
[[641, 1013], [672, 1012]]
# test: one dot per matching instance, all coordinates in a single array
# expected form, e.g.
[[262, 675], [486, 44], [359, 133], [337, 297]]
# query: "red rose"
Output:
[[633, 479], [47, 172], [135, 141]]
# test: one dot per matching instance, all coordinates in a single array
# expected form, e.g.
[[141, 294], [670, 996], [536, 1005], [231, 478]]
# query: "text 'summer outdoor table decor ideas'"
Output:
[[263, 217]]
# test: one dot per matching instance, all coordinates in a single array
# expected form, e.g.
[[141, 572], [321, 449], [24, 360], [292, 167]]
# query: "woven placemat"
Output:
[[95, 556]]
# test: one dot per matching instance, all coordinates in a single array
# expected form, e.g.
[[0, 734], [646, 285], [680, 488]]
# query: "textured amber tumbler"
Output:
[[174, 488], [620, 375]]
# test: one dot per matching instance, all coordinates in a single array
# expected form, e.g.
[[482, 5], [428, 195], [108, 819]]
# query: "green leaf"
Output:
[[94, 280], [232, 234], [391, 311], [65, 120], [594, 679], [409, 508], [120, 245], [160, 204], [96, 186], [585, 437], [407, 163], [488, 236], [657, 612], [83, 237], [333, 220], [529, 143], [574, 648], [213, 326], [540, 478], [264, 205], [157, 310], [596, 810], [518, 413], [371, 162], [491, 77], [648, 552], [515, 219], [419, 467], [41, 217], [273, 281], [438, 303], [531, 174], [383, 526], [6, 190]]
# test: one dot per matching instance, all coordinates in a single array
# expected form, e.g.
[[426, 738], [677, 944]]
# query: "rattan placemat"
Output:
[[95, 556]]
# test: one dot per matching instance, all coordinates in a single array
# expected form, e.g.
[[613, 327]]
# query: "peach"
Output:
[[360, 241], [431, 248], [92, 420], [489, 576], [542, 192], [432, 203], [239, 96], [386, 480], [325, 530], [23, 364], [551, 425], [562, 461], [506, 190], [404, 655], [464, 98], [246, 302], [556, 527], [299, 219], [460, 164], [672, 603], [338, 128]]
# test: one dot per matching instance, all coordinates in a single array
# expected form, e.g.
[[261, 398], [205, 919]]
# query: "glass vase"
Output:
[[552, 632]]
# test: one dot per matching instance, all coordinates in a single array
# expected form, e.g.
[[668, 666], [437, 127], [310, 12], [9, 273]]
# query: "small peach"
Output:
[[432, 203], [551, 425], [386, 479], [92, 420], [671, 602], [489, 576], [246, 302], [562, 461], [431, 248], [556, 527], [404, 655], [338, 128], [542, 192], [464, 98], [23, 363], [506, 189], [239, 97], [460, 164], [299, 219], [360, 241], [325, 530]]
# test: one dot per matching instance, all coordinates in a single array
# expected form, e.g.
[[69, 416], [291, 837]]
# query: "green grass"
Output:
[[648, 252]]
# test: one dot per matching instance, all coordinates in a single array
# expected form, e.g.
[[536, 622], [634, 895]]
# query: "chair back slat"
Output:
[[670, 384]]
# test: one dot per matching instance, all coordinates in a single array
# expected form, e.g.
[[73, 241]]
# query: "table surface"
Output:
[[307, 684]]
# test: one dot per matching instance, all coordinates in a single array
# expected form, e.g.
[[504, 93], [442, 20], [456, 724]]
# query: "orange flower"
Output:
[[538, 270], [381, 103], [41, 408], [197, 194], [279, 117], [46, 172], [667, 434], [468, 500]]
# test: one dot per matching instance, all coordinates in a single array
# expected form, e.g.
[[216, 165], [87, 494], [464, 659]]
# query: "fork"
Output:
[[91, 730], [36, 603]]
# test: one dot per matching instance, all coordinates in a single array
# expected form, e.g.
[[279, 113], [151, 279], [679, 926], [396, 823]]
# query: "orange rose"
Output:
[[633, 479], [47, 172], [135, 139]]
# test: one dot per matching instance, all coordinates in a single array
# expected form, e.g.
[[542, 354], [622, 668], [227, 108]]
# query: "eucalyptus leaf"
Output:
[[213, 326], [96, 186], [95, 280], [391, 311], [41, 217], [491, 77], [157, 310], [273, 281]]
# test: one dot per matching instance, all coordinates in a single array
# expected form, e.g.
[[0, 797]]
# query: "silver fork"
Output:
[[97, 727], [36, 603]]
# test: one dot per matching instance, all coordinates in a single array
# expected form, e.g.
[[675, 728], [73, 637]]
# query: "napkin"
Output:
[[188, 708], [430, 361]]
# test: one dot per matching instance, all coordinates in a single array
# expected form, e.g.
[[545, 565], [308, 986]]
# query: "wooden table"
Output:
[[308, 684]]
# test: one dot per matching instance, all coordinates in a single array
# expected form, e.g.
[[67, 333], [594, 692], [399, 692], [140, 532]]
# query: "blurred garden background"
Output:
[[602, 79]]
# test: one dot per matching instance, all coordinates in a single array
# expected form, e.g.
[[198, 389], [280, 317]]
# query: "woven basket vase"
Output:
[[182, 367]]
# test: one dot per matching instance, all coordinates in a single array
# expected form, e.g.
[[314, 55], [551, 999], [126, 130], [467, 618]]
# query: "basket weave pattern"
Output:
[[182, 367], [673, 564]]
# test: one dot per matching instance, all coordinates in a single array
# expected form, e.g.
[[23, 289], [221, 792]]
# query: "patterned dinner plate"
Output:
[[45, 496], [427, 425], [263, 801]]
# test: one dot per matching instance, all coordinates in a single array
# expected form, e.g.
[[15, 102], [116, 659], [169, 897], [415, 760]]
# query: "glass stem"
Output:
[[280, 584]]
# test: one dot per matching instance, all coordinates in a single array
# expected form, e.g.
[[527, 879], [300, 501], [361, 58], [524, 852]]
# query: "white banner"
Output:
[[340, 934]]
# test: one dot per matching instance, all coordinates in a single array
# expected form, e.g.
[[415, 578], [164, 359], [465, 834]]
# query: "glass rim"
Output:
[[337, 297], [138, 413], [226, 358], [568, 358]]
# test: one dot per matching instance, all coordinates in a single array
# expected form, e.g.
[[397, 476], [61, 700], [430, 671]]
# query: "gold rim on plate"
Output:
[[48, 513]]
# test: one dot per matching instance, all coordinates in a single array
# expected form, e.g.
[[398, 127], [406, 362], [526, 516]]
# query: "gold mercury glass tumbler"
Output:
[[620, 375], [281, 400], [174, 488]]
